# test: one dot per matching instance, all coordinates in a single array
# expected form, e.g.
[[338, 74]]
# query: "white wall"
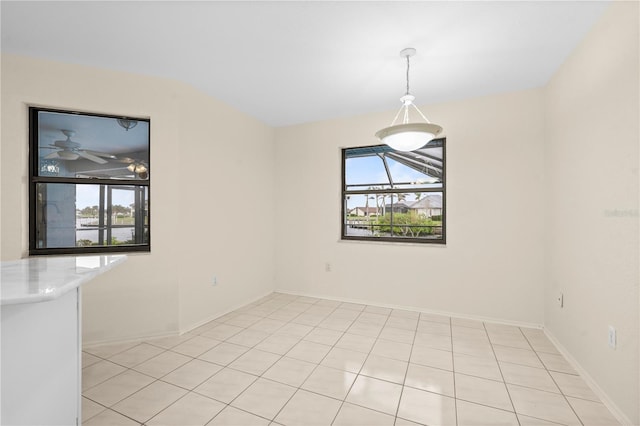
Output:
[[207, 160], [492, 264], [592, 134], [228, 186]]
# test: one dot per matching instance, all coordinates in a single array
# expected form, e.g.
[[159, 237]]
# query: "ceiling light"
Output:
[[67, 155], [408, 136], [137, 167], [127, 124]]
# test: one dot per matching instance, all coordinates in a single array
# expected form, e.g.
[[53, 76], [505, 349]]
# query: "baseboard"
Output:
[[608, 402], [88, 344], [416, 309], [225, 312], [94, 343]]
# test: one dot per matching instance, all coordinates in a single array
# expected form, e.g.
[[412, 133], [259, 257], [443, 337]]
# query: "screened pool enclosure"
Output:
[[391, 195]]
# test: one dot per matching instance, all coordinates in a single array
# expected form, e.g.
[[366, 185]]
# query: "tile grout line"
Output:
[[271, 305], [301, 338], [504, 382], [343, 400], [247, 327], [175, 402], [156, 379], [228, 404], [361, 367], [312, 371], [264, 378], [550, 375], [193, 390], [453, 373]]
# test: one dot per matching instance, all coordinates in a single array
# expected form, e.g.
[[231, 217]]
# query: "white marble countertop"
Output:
[[39, 279]]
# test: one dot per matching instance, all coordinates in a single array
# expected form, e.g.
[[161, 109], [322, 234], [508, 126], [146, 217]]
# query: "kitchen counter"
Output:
[[41, 332], [40, 279]]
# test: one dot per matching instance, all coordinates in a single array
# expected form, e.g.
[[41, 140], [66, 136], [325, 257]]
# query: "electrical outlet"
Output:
[[214, 281], [612, 337], [561, 300], [327, 267]]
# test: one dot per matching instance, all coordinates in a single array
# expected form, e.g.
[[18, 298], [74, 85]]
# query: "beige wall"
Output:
[[492, 264], [592, 118], [207, 159]]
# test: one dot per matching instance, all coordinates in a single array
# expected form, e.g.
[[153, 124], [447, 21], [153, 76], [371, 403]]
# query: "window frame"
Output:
[[104, 183], [412, 240]]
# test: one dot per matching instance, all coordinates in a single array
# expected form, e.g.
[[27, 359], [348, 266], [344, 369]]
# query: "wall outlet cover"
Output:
[[612, 337]]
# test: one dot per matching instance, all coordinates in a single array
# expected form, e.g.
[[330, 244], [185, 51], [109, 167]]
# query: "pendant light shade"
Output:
[[408, 136]]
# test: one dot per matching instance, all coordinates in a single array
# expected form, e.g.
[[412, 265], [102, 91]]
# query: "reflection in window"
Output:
[[74, 145], [89, 182], [104, 215], [394, 196]]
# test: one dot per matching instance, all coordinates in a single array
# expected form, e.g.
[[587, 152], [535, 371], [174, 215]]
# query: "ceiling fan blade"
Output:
[[100, 154], [125, 160], [52, 156], [91, 157]]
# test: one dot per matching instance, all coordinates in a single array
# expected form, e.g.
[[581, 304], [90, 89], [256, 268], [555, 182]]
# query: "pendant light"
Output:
[[127, 124], [408, 136]]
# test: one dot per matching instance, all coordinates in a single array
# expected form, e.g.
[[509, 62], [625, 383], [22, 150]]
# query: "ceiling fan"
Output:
[[69, 150], [139, 167]]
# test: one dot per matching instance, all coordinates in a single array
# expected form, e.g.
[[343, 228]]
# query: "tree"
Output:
[[400, 197], [373, 188], [89, 211], [408, 224], [121, 210], [366, 205], [379, 206]]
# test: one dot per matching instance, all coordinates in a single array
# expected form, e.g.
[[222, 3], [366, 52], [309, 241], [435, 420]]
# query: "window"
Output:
[[394, 196], [89, 183]]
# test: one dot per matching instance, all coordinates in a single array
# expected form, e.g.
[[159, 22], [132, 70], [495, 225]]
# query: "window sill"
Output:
[[393, 243]]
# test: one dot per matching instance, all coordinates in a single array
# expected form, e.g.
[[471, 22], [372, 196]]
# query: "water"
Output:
[[358, 232], [120, 234]]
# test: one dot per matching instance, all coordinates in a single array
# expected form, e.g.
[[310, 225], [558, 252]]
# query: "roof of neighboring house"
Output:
[[398, 204], [365, 209], [431, 201]]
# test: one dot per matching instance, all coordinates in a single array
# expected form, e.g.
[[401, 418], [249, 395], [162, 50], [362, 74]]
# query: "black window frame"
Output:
[[344, 193], [104, 183]]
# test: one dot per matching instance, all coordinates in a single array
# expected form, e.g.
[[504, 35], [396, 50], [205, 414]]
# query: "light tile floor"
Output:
[[289, 360]]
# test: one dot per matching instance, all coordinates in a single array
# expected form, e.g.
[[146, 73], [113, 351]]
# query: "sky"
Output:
[[370, 170], [88, 195]]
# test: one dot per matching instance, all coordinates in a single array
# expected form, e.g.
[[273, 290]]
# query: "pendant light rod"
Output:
[[408, 65], [408, 136], [407, 53]]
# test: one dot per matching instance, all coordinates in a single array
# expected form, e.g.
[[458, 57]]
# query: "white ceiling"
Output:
[[294, 62]]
